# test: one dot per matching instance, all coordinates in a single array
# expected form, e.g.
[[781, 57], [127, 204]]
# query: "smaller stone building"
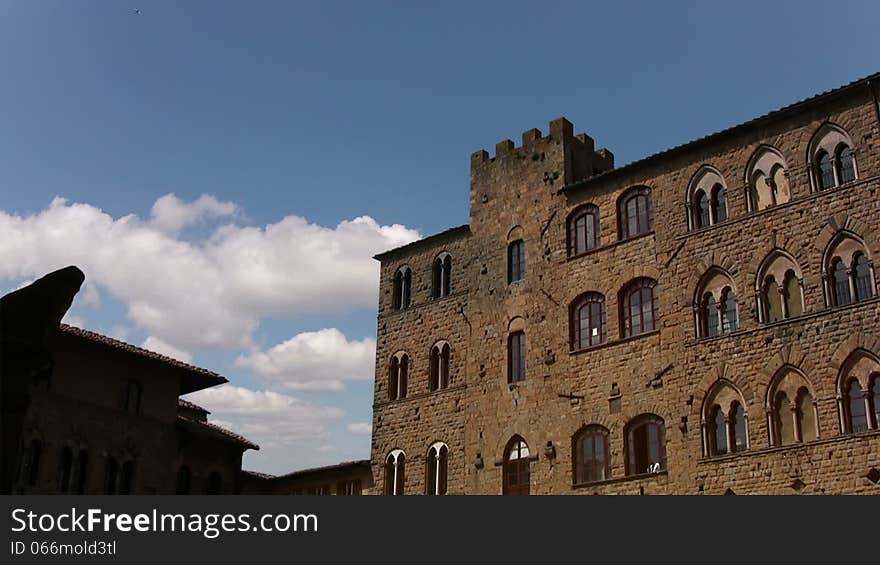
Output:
[[107, 419], [350, 478]]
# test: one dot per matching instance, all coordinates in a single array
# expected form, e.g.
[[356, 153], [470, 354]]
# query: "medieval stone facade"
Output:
[[106, 418], [704, 320]]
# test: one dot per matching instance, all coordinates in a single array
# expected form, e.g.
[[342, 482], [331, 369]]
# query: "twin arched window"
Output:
[[439, 377], [766, 179], [779, 288], [398, 375], [792, 416], [635, 212], [587, 315], [441, 276], [832, 158], [639, 307], [395, 472], [715, 304], [707, 198], [848, 273], [583, 230], [402, 288], [591, 456], [436, 465], [859, 393], [724, 421]]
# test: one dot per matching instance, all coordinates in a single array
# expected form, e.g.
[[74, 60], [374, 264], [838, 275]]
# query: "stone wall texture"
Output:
[[527, 192]]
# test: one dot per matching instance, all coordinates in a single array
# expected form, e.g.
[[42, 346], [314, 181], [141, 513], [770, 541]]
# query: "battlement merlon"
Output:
[[585, 159]]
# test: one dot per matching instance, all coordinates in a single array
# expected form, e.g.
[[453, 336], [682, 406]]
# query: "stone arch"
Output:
[[779, 286], [704, 180], [766, 179], [843, 223], [515, 233], [722, 372], [631, 273], [861, 364], [516, 324], [828, 139]]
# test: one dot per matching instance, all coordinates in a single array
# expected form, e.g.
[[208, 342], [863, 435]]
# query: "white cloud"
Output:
[[359, 428], [274, 421], [171, 214], [155, 344], [314, 361], [210, 292], [74, 320]]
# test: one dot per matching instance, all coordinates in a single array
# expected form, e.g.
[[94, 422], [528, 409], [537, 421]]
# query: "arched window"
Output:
[[779, 301], [439, 366], [791, 409], [442, 276], [398, 374], [791, 294], [857, 416], [645, 445], [719, 203], [395, 472], [639, 307], [706, 198], [215, 483], [111, 476], [831, 155], [635, 212], [841, 283], [32, 471], [782, 419], [402, 288], [516, 478], [728, 311], [862, 272], [710, 316], [587, 315], [846, 169], [583, 230], [772, 300], [516, 261], [516, 357], [183, 480], [591, 461], [702, 209], [436, 469], [724, 419], [65, 469], [875, 399], [718, 432], [126, 481], [825, 171], [737, 423]]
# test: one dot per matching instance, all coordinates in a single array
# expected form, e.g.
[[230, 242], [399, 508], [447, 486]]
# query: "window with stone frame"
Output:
[[779, 287], [791, 408], [847, 270], [516, 357], [439, 366], [832, 159], [395, 472], [583, 230], [441, 276], [639, 307], [645, 445], [591, 455], [587, 321], [516, 470], [402, 288], [635, 213], [398, 376], [436, 469], [516, 261]]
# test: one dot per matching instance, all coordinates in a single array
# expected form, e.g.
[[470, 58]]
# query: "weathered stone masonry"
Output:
[[675, 372]]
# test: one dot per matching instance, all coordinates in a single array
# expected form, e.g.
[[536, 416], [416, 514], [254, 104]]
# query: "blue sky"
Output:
[[296, 119]]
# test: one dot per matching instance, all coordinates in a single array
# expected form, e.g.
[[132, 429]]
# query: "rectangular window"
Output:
[[516, 357], [516, 261]]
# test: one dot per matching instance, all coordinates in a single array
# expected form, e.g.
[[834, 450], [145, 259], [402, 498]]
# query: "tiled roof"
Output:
[[629, 167], [257, 475], [215, 429], [337, 466], [206, 378], [425, 241], [191, 406]]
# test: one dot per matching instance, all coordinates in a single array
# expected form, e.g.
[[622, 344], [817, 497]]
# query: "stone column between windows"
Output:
[[718, 306], [835, 166], [866, 396], [851, 279], [746, 422], [798, 433], [771, 427], [759, 300], [727, 433], [705, 436], [816, 417], [841, 414], [782, 302]]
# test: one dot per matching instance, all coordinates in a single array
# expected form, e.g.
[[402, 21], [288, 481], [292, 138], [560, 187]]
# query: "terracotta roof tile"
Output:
[[214, 428]]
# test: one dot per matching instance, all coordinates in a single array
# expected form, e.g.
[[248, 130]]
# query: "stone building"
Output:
[[107, 419], [703, 320], [349, 478]]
